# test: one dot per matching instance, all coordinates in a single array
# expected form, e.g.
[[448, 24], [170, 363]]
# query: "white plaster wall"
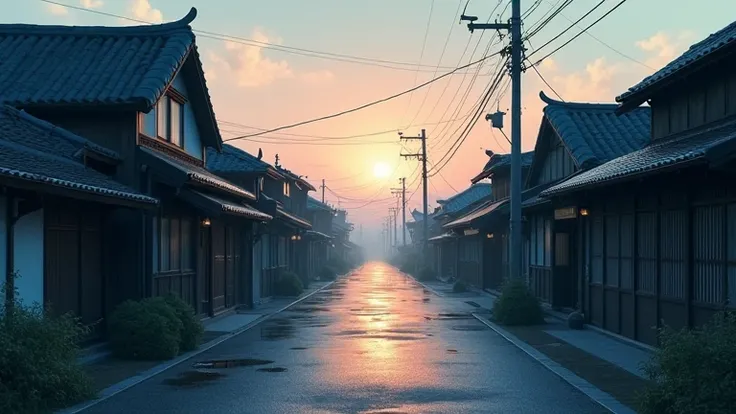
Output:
[[28, 257]]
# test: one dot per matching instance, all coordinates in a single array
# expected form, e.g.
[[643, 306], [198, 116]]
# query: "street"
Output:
[[374, 342]]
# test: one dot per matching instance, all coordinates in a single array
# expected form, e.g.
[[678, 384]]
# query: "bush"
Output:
[[694, 370], [289, 284], [192, 329], [327, 273], [517, 305], [459, 287], [38, 361], [148, 329], [426, 274]]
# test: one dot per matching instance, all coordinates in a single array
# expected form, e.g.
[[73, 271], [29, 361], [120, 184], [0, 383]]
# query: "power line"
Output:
[[580, 33], [421, 56], [271, 46], [358, 108], [600, 3]]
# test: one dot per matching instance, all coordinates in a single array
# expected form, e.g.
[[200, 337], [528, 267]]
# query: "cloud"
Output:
[[91, 4], [248, 67], [142, 10], [549, 64], [595, 83], [665, 47], [57, 10], [317, 77]]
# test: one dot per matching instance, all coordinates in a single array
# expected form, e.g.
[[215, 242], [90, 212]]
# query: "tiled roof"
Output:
[[496, 161], [294, 219], [696, 53], [236, 209], [314, 204], [593, 133], [688, 147], [441, 237], [199, 175], [127, 66], [464, 198], [233, 159], [296, 178], [35, 150], [317, 235], [483, 210]]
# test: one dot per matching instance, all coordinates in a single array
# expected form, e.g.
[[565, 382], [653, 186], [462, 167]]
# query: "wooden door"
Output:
[[204, 272]]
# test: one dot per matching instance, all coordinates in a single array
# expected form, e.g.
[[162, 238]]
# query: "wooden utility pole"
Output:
[[402, 192], [323, 190], [423, 158], [515, 50]]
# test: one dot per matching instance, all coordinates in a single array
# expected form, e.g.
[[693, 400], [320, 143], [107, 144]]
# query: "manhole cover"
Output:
[[274, 369], [232, 363], [469, 328]]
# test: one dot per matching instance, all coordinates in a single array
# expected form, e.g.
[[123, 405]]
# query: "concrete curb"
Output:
[[604, 399], [115, 389]]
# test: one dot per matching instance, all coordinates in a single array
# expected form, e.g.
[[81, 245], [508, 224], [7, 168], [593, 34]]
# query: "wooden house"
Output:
[[57, 196], [659, 239], [452, 256], [573, 138], [484, 229], [341, 229], [320, 215], [140, 91], [282, 195]]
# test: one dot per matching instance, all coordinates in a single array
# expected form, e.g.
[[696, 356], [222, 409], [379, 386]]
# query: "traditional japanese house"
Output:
[[57, 197], [341, 229], [320, 240], [453, 256], [273, 245], [140, 91], [659, 238], [484, 262], [573, 138]]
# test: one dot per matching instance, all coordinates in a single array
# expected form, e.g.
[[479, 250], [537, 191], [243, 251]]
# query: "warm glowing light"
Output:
[[381, 170]]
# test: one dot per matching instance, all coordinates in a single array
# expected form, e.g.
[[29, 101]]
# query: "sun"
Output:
[[381, 170]]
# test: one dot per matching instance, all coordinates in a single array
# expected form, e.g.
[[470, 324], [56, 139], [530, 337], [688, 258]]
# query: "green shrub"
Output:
[[38, 361], [426, 274], [693, 371], [517, 305], [327, 273], [289, 284], [192, 329], [147, 329], [459, 287]]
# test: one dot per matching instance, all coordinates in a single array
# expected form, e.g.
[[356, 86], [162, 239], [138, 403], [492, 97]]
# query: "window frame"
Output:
[[165, 248], [287, 189], [171, 99]]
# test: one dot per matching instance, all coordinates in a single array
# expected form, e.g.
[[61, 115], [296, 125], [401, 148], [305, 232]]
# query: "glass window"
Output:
[[163, 118], [286, 189], [176, 123], [148, 123]]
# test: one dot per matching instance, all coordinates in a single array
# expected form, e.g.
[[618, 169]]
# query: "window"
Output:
[[287, 189], [175, 244], [260, 183], [166, 121]]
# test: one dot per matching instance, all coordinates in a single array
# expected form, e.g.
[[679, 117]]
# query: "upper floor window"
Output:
[[169, 120], [166, 120], [287, 189], [260, 183]]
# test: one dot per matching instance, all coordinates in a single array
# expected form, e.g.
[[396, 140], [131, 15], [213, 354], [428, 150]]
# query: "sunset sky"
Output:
[[255, 87]]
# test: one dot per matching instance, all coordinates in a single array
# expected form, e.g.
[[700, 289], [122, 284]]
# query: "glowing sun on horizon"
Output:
[[381, 170]]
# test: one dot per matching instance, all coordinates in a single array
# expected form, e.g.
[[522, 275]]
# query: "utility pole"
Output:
[[323, 190], [514, 26], [402, 191], [394, 211], [423, 157]]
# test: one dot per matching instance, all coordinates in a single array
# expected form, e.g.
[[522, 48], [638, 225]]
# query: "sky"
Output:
[[401, 44]]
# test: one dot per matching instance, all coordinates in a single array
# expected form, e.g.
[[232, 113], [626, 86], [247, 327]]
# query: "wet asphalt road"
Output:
[[374, 342]]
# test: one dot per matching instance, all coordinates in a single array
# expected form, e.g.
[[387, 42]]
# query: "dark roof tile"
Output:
[[34, 150], [464, 198], [233, 159]]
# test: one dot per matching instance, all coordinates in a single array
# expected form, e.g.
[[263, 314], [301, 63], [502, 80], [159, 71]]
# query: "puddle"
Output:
[[277, 329], [469, 328], [231, 363], [350, 332], [425, 300], [274, 369], [193, 378], [452, 316]]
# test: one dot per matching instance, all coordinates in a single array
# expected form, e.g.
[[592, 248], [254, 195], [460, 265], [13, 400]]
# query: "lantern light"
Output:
[[584, 212], [206, 222]]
